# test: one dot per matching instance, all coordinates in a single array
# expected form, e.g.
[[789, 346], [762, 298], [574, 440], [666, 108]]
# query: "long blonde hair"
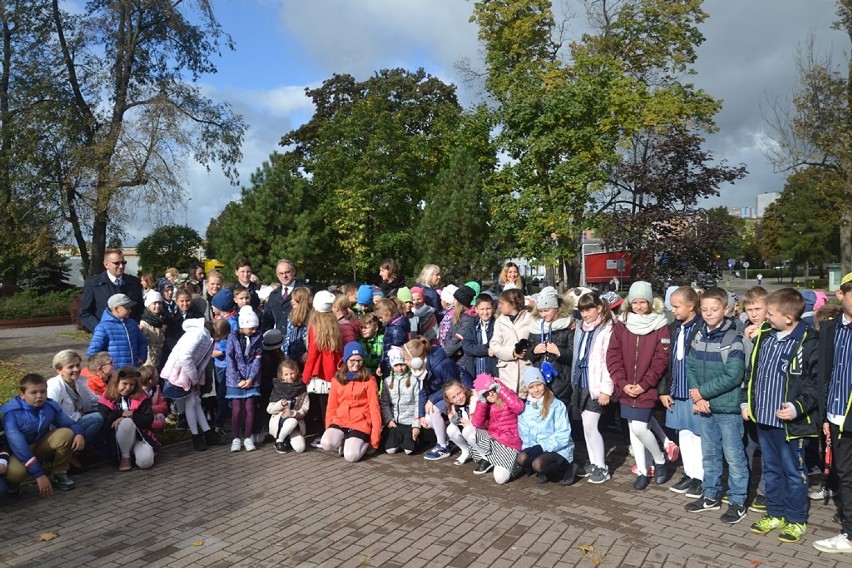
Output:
[[546, 401], [326, 331], [301, 310]]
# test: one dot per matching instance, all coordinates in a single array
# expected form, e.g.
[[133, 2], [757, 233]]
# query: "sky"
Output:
[[284, 46]]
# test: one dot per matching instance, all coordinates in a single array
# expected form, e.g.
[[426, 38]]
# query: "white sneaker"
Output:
[[463, 458], [836, 544], [236, 445], [317, 442], [248, 444], [821, 494]]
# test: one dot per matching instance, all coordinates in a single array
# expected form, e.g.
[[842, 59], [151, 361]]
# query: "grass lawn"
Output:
[[10, 376]]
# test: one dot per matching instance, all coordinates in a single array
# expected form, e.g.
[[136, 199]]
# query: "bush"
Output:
[[30, 304]]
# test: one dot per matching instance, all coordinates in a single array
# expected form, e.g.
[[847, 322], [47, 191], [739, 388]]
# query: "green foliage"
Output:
[[169, 245], [10, 378], [801, 225], [32, 304]]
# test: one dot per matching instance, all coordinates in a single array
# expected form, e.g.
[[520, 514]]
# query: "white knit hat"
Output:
[[152, 297], [640, 290], [323, 301], [247, 318], [447, 293]]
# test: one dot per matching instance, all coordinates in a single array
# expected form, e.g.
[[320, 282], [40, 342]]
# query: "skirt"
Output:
[[174, 393], [496, 453], [236, 392], [582, 400], [681, 417], [639, 414]]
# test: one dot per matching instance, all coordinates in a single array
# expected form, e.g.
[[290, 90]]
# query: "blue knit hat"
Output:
[[224, 300], [365, 294], [532, 375], [352, 348]]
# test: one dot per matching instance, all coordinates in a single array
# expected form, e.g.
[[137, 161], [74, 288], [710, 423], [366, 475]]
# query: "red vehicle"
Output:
[[601, 267]]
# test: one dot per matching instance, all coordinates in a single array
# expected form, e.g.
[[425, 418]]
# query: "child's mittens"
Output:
[[484, 383]]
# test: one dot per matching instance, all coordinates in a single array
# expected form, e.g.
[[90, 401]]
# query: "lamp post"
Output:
[[186, 212]]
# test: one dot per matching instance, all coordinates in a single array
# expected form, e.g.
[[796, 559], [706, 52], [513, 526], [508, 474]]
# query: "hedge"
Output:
[[30, 304]]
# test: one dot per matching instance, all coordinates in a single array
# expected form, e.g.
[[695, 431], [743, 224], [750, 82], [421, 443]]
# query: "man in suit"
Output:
[[278, 307], [98, 289]]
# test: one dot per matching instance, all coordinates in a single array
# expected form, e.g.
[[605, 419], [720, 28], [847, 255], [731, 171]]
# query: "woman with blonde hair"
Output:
[[429, 279]]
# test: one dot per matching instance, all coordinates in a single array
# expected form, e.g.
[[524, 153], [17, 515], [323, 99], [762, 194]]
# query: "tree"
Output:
[[816, 131], [167, 246], [129, 111], [804, 219], [454, 229]]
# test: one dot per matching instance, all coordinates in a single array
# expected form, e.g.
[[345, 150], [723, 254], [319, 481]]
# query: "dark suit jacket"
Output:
[[277, 310], [96, 293]]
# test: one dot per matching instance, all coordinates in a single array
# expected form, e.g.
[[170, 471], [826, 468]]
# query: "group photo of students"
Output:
[[736, 404]]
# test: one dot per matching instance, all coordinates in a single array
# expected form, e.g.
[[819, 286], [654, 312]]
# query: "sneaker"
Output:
[[703, 504], [13, 490], [570, 476], [585, 470], [438, 453], [600, 475], [814, 471], [124, 465], [258, 438], [837, 544], [317, 442], [759, 504], [635, 471], [236, 445], [641, 482], [660, 473], [793, 532], [484, 466], [62, 481], [695, 490], [198, 443], [733, 515], [518, 471], [837, 518], [682, 485], [821, 494], [248, 444], [463, 458], [213, 438], [541, 478], [281, 447], [672, 451], [767, 524], [724, 499]]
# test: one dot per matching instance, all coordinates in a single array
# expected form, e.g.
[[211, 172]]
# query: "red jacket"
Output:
[[355, 405], [637, 360], [322, 364]]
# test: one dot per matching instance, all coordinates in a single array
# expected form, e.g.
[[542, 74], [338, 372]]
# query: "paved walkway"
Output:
[[220, 509]]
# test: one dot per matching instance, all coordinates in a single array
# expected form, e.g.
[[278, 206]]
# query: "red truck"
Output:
[[601, 267]]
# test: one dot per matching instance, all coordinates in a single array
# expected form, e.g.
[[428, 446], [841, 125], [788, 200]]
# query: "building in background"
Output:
[[764, 200]]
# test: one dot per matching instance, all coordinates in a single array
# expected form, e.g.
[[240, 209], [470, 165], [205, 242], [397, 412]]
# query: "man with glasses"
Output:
[[98, 289]]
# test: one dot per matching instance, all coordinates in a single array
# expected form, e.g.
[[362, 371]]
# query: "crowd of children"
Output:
[[511, 381]]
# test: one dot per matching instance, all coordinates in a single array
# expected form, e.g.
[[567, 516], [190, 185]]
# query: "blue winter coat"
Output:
[[242, 365], [396, 334], [474, 348], [552, 433], [25, 425], [123, 339], [439, 370]]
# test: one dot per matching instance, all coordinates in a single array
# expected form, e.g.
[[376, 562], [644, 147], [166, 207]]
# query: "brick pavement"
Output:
[[259, 509]]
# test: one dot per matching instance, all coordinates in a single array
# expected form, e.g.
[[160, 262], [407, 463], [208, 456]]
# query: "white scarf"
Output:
[[646, 323]]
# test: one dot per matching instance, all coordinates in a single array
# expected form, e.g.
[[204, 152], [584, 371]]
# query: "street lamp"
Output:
[[186, 212]]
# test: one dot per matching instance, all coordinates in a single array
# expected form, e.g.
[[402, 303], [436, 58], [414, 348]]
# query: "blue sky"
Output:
[[283, 46]]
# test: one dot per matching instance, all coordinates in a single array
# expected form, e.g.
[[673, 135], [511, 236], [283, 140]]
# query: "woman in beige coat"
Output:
[[511, 327]]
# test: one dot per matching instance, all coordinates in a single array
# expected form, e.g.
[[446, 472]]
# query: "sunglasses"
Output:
[[119, 263]]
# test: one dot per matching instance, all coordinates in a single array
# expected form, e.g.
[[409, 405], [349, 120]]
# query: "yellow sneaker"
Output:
[[767, 524]]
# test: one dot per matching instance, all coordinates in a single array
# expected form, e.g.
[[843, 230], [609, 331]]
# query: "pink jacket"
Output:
[[501, 422], [189, 358]]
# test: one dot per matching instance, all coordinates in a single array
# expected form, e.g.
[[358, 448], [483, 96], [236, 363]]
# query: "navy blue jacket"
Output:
[[278, 310], [96, 293], [397, 332], [439, 370], [473, 347]]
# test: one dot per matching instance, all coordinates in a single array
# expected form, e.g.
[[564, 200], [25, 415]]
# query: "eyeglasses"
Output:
[[356, 361], [119, 263]]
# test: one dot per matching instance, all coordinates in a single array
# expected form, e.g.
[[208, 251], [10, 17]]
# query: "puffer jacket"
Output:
[[25, 425], [439, 370], [718, 381], [355, 405], [801, 382], [561, 333], [552, 433], [400, 403], [500, 421], [188, 360], [242, 365], [639, 359], [452, 343], [122, 339], [506, 335], [396, 334]]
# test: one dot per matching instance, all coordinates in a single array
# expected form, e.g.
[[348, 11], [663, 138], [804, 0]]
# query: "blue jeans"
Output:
[[91, 424], [785, 474], [722, 434]]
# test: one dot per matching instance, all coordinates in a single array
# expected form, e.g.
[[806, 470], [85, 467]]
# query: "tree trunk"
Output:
[[99, 230], [846, 236]]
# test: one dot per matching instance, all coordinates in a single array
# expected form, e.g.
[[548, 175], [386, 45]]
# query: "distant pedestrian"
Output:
[[760, 279]]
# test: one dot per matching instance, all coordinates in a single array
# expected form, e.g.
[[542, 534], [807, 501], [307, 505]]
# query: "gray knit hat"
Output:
[[547, 298], [640, 290]]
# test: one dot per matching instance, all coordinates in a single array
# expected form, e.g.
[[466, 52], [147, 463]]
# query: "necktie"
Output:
[[285, 294], [680, 344], [118, 282]]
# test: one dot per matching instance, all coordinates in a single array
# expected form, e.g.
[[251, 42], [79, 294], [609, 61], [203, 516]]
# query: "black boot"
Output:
[[570, 475], [212, 438], [198, 443]]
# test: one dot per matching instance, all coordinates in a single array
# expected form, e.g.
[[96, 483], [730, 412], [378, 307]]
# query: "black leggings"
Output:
[[550, 464]]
